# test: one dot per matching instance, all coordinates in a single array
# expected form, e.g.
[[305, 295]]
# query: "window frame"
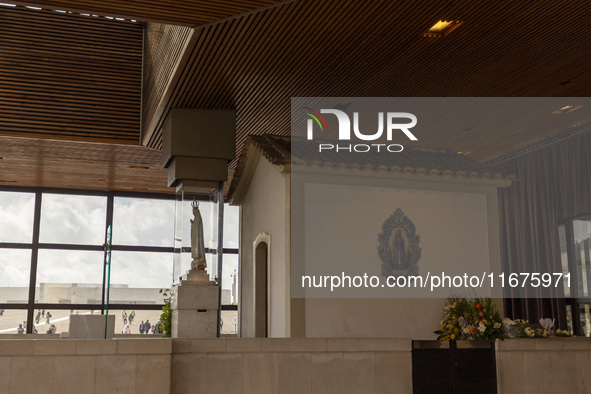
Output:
[[574, 301], [34, 246]]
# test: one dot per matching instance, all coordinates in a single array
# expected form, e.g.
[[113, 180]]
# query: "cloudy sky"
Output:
[[81, 220]]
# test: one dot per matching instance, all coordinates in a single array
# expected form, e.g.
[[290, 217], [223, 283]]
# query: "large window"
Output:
[[575, 247], [53, 258]]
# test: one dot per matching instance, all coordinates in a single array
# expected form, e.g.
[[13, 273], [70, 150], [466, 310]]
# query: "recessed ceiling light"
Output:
[[566, 109], [441, 28], [140, 167], [139, 188]]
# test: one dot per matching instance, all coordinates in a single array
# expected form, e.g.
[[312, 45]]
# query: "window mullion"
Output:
[[34, 260]]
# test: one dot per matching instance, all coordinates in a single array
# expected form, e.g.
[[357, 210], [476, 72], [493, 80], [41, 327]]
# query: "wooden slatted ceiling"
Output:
[[28, 162], [164, 45], [173, 12], [66, 76], [317, 48]]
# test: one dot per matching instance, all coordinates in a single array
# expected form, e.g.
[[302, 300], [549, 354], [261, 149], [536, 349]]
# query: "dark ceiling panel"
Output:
[[256, 63], [184, 13], [65, 76]]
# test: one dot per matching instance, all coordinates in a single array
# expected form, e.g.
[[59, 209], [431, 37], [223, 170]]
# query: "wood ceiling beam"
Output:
[[63, 164]]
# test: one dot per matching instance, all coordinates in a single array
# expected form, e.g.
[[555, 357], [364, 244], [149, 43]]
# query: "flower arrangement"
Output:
[[563, 333], [474, 319], [535, 332], [519, 328]]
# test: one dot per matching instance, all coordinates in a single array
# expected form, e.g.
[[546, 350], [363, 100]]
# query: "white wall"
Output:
[[338, 217], [264, 210], [342, 224], [414, 318]]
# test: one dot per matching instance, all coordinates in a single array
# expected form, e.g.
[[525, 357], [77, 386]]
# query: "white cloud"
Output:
[[14, 267], [73, 219], [16, 217], [143, 222], [70, 266]]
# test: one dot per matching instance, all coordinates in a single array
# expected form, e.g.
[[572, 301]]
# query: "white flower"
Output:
[[481, 327], [497, 325], [547, 323], [508, 322]]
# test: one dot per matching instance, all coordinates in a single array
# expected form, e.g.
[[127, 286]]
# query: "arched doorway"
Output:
[[261, 285]]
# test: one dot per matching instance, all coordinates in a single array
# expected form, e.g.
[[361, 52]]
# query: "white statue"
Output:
[[197, 244]]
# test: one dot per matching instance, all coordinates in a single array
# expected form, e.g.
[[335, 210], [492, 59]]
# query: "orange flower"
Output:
[[478, 305], [480, 314]]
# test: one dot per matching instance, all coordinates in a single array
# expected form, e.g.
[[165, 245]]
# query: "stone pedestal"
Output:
[[195, 307], [91, 327]]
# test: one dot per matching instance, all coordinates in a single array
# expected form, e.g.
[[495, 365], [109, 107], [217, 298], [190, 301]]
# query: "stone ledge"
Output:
[[95, 347], [543, 344], [71, 347], [144, 346], [154, 346], [293, 345]]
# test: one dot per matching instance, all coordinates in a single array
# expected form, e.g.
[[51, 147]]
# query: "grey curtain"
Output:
[[554, 183]]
